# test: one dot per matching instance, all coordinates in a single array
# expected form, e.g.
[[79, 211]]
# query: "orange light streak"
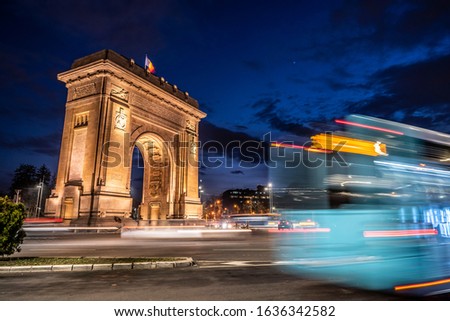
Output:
[[348, 145], [421, 285], [400, 233], [309, 149], [287, 145]]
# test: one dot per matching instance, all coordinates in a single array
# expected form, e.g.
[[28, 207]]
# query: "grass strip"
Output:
[[18, 261]]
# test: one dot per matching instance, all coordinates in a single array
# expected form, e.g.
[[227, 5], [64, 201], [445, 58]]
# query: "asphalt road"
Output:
[[192, 284], [239, 268]]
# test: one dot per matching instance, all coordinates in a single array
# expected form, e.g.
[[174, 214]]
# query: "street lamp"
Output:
[[17, 198], [270, 198], [200, 189], [39, 198]]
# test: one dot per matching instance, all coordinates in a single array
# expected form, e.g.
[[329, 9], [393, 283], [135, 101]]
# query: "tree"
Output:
[[44, 174], [27, 178], [11, 221]]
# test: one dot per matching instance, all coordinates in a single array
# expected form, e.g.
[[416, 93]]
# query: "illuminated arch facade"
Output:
[[113, 106]]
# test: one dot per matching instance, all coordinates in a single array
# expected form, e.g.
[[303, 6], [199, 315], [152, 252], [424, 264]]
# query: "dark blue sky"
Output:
[[287, 68]]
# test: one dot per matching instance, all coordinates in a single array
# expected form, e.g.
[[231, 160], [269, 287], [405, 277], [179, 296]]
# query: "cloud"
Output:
[[46, 145], [361, 36], [416, 93], [224, 143], [268, 111], [241, 127], [238, 172], [394, 24]]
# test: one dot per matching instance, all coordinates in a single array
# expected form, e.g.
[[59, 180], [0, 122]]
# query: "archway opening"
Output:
[[151, 179], [137, 180]]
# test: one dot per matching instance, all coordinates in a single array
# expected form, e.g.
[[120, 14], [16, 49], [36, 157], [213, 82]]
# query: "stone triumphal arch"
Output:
[[113, 105]]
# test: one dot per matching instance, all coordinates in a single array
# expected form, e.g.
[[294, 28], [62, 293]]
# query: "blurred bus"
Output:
[[387, 207]]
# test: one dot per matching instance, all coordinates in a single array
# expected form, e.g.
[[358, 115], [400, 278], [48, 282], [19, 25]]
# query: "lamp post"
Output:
[[270, 198], [201, 191], [17, 200], [39, 198]]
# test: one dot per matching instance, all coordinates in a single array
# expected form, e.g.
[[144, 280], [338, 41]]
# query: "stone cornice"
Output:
[[166, 93]]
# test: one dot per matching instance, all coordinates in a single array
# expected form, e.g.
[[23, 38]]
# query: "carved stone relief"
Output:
[[156, 162], [120, 121], [190, 127], [120, 93], [83, 91]]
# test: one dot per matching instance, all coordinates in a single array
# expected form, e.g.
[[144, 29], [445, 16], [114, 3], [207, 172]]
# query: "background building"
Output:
[[246, 200]]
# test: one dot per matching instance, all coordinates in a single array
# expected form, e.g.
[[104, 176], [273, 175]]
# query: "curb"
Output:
[[98, 267]]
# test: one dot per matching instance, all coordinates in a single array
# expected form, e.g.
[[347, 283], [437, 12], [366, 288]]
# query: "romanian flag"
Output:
[[149, 66]]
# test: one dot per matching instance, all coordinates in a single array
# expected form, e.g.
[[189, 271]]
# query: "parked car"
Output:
[[285, 224]]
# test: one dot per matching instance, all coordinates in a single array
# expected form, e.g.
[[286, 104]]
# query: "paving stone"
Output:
[[62, 267], [103, 267], [41, 268], [82, 267], [143, 265], [122, 266], [23, 268]]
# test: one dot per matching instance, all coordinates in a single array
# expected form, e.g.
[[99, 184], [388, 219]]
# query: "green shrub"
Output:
[[11, 221]]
